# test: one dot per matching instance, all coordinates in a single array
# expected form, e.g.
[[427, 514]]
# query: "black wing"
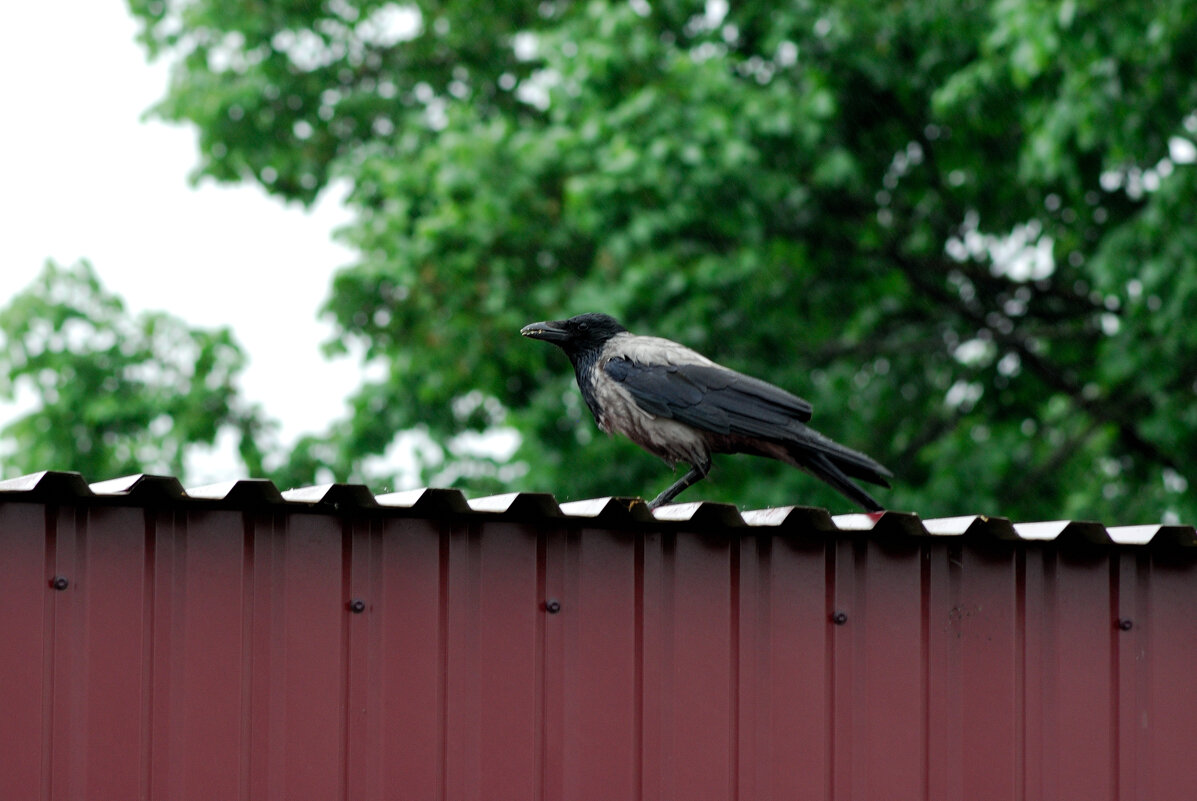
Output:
[[711, 398]]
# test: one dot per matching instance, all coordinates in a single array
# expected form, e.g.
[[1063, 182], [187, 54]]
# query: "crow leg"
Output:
[[697, 473]]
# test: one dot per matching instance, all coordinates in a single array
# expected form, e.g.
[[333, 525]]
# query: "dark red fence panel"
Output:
[[274, 650]]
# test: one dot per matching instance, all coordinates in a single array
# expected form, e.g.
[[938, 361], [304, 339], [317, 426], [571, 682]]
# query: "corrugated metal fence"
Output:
[[234, 642]]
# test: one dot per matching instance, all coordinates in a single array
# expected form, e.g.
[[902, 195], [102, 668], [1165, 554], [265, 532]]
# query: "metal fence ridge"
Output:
[[255, 493]]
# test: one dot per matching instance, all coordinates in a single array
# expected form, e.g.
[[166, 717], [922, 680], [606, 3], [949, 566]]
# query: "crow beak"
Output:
[[549, 331]]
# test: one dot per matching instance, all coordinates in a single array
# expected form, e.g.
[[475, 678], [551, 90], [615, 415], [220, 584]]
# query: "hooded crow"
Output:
[[681, 406]]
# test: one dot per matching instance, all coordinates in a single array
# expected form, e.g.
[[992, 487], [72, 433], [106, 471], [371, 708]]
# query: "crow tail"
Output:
[[822, 466], [848, 463]]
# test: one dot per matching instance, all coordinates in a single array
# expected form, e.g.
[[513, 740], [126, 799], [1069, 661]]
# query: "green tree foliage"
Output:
[[963, 230], [112, 394]]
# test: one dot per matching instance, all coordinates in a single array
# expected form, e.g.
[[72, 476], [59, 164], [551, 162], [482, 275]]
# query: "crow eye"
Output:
[[582, 326]]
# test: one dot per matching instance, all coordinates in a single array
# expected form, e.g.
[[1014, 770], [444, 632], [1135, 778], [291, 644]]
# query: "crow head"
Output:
[[578, 335]]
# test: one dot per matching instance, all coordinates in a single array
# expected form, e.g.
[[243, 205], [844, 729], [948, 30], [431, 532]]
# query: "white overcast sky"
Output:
[[82, 176]]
